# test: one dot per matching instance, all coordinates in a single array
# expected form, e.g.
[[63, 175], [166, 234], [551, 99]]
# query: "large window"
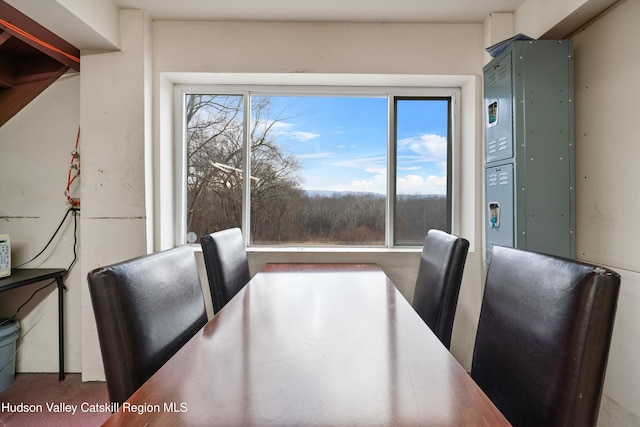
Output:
[[310, 168]]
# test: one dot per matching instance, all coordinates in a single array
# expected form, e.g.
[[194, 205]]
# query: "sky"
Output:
[[341, 142]]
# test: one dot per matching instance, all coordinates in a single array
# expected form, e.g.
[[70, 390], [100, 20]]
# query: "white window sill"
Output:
[[327, 249]]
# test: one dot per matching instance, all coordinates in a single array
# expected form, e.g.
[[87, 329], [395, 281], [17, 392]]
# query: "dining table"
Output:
[[312, 345]]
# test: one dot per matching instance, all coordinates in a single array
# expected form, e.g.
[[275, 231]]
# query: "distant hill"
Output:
[[329, 193], [420, 196]]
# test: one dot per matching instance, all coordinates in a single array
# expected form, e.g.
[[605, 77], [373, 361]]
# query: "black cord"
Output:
[[75, 259], [52, 237], [75, 239], [26, 302]]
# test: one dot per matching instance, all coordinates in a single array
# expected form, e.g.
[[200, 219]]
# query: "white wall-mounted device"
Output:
[[5, 255]]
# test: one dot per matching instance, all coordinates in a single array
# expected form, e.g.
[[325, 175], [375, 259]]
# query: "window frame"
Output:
[[392, 93], [394, 143]]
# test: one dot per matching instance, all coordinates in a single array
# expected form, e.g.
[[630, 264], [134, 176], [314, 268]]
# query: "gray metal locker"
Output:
[[529, 149]]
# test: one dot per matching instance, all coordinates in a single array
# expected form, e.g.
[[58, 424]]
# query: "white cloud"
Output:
[[286, 130], [377, 184], [302, 136], [315, 155], [415, 184], [277, 128], [428, 145], [364, 163]]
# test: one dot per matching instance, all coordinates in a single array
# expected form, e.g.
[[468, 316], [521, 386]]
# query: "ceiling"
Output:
[[446, 11], [28, 66]]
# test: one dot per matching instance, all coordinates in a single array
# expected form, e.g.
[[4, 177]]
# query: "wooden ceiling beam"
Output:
[[7, 79], [14, 99], [35, 35], [4, 36], [31, 59]]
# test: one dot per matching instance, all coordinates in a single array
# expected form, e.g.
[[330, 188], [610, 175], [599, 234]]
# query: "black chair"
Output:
[[438, 284], [225, 259], [543, 337], [146, 309]]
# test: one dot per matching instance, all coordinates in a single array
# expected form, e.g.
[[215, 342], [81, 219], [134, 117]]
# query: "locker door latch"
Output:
[[494, 214]]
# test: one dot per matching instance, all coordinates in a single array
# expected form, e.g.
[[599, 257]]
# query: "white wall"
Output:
[[607, 63], [250, 47], [35, 152], [115, 108]]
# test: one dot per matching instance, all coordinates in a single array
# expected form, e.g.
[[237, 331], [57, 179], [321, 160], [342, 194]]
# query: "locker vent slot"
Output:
[[498, 177]]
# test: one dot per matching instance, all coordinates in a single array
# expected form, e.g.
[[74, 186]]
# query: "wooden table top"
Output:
[[312, 344]]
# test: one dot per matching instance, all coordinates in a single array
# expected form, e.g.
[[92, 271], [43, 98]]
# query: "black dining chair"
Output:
[[146, 309], [225, 260], [543, 337], [438, 284]]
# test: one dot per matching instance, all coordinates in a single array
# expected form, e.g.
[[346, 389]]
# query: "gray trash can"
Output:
[[9, 333]]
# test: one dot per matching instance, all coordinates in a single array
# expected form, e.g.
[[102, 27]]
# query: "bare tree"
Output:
[[215, 164]]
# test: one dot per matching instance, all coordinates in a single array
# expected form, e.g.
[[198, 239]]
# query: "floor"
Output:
[[41, 400]]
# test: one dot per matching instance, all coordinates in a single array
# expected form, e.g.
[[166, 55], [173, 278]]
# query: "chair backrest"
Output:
[[225, 259], [543, 337], [146, 309], [438, 284]]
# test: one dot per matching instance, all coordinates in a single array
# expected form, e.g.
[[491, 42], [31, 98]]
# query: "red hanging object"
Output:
[[73, 173]]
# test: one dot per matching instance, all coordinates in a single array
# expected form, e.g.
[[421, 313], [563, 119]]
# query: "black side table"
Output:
[[26, 276]]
